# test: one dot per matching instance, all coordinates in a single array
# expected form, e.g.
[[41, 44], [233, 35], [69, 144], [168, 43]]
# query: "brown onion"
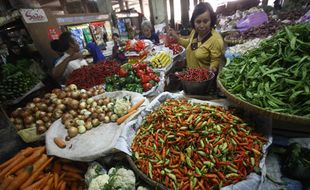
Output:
[[29, 119], [95, 122], [61, 107], [74, 104], [72, 132], [25, 113], [82, 105], [15, 113], [73, 113], [39, 122], [66, 116], [75, 94], [84, 96], [47, 95], [41, 129], [36, 100], [46, 119], [43, 107], [94, 115], [62, 95], [72, 87], [101, 116]]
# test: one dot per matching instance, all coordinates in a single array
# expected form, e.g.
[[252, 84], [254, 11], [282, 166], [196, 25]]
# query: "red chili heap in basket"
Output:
[[92, 75], [197, 74], [176, 48], [194, 146]]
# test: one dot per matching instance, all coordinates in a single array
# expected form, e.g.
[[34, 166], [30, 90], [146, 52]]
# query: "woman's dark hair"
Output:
[[200, 9], [55, 45], [115, 34], [64, 41]]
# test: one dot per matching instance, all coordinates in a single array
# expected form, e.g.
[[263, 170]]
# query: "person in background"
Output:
[[16, 53], [95, 51], [205, 46], [72, 57], [116, 53], [147, 33], [55, 46]]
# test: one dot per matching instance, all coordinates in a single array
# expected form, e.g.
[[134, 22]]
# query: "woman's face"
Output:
[[147, 31], [74, 45], [203, 23]]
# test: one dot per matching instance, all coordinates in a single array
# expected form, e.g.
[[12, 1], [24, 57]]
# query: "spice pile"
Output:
[[196, 74], [274, 76], [92, 75], [194, 146]]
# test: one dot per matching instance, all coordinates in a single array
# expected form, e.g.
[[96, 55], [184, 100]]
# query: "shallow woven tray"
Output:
[[155, 185], [259, 110]]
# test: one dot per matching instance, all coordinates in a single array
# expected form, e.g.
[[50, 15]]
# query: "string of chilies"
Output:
[[194, 146]]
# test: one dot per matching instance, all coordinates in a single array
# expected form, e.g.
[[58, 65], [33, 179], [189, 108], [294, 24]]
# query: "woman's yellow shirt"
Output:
[[207, 55]]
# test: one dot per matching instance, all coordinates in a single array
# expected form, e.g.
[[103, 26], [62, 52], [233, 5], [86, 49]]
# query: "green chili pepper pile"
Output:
[[274, 76], [188, 146]]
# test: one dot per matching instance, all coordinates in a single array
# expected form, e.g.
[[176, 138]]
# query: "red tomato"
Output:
[[145, 79], [147, 87], [122, 72]]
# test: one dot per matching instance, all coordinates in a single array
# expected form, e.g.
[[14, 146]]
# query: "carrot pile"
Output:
[[32, 169]]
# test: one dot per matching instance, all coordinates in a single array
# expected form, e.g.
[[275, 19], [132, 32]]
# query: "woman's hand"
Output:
[[173, 33]]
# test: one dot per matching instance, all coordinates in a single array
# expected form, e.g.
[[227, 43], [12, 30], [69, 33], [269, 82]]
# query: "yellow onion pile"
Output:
[[42, 112]]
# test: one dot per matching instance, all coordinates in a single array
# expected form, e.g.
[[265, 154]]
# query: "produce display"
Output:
[[42, 112], [88, 113], [137, 78], [262, 31], [274, 76], [187, 145], [240, 49], [161, 60], [135, 45], [16, 81], [176, 48], [195, 74], [32, 169], [116, 178], [92, 75]]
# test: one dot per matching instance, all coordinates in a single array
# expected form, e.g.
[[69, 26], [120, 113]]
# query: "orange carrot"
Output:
[[20, 179], [27, 151], [124, 117], [56, 180], [27, 161], [36, 173], [63, 186], [59, 184], [7, 180], [137, 105], [37, 184], [48, 185], [70, 168], [73, 175], [18, 159], [40, 161], [57, 167]]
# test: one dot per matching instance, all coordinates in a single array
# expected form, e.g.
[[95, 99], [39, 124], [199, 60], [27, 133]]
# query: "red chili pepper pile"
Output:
[[92, 75], [197, 74], [194, 146], [137, 46], [176, 48]]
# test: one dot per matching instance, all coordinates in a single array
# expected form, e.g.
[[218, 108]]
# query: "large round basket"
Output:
[[155, 185], [259, 110]]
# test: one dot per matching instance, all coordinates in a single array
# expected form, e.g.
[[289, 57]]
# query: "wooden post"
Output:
[[172, 22], [85, 6], [151, 12], [121, 4], [195, 2], [63, 4], [141, 6], [184, 13]]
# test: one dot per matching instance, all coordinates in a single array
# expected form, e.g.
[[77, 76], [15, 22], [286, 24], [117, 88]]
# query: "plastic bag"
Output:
[[251, 21]]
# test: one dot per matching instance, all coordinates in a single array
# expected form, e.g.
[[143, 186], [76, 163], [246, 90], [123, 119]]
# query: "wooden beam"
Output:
[[172, 22], [127, 5], [63, 4]]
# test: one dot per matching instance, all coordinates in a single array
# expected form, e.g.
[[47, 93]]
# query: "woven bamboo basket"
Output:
[[259, 110], [155, 185]]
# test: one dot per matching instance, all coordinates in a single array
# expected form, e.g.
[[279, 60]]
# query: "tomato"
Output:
[[157, 79], [147, 86], [122, 72], [149, 70], [143, 66], [145, 79]]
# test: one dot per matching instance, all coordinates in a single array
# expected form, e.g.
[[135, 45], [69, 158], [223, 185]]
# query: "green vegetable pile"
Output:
[[16, 85], [137, 78], [274, 76], [15, 81]]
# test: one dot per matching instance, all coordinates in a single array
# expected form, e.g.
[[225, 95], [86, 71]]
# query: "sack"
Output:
[[251, 21]]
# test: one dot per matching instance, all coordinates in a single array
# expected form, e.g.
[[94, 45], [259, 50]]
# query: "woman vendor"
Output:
[[72, 58], [205, 46], [147, 33]]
